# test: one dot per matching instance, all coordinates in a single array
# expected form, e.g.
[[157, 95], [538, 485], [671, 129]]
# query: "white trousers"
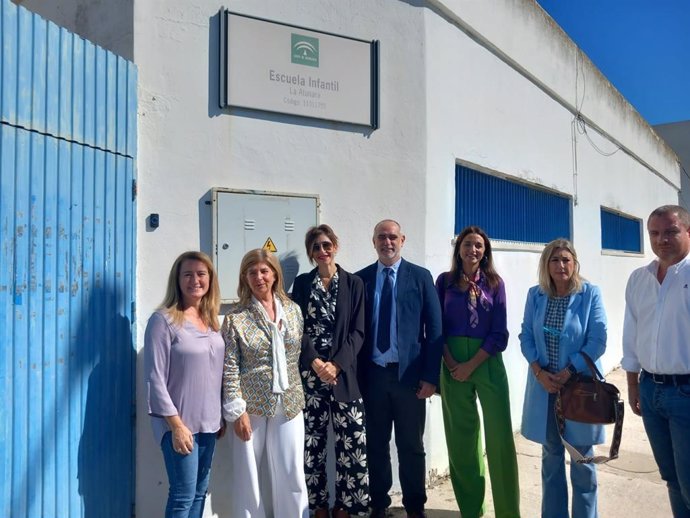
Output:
[[281, 441]]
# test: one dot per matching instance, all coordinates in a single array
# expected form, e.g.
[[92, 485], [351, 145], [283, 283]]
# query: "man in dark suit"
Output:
[[399, 368]]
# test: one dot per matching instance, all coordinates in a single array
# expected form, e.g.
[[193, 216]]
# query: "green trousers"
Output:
[[461, 422]]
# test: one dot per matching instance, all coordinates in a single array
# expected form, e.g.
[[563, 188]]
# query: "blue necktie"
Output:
[[383, 336]]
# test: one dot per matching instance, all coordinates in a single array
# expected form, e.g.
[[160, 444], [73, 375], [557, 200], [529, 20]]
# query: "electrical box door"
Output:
[[244, 220]]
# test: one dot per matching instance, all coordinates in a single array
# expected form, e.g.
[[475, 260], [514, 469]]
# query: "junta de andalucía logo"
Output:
[[305, 50]]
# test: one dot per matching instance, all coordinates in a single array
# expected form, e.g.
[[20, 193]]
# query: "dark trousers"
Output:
[[388, 403], [351, 488]]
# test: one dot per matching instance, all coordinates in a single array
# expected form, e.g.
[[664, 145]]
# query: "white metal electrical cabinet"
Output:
[[244, 220]]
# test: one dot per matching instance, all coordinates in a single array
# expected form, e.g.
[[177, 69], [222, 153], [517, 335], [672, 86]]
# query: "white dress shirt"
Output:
[[656, 329]]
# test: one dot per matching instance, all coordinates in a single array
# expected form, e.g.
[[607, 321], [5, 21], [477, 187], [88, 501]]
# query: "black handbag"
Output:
[[590, 400]]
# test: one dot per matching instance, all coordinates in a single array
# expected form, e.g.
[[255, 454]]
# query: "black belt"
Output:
[[667, 379]]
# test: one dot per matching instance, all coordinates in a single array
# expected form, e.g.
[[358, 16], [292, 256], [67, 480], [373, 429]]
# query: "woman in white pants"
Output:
[[262, 392]]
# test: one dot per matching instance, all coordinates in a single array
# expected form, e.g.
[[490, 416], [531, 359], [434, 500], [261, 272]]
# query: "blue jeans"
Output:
[[188, 475], [583, 477], [666, 417]]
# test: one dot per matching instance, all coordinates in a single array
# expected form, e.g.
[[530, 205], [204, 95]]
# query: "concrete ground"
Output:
[[629, 486]]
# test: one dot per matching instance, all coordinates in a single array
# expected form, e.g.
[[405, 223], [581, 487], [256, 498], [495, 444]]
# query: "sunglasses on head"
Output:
[[327, 246]]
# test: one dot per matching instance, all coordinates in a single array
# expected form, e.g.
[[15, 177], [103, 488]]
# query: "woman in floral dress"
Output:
[[332, 302]]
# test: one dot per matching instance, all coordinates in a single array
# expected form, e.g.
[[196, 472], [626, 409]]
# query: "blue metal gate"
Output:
[[67, 361]]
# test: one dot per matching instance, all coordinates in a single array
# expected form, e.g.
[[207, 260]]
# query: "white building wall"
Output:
[[487, 112], [677, 135], [534, 43], [187, 146], [489, 84]]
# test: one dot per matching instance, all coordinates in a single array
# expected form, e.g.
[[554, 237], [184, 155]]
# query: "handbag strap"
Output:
[[576, 455], [596, 375]]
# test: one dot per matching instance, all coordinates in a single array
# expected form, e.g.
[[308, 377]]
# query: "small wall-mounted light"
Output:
[[153, 220]]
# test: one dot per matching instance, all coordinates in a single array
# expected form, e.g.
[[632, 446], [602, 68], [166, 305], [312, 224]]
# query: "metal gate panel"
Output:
[[67, 360], [56, 83]]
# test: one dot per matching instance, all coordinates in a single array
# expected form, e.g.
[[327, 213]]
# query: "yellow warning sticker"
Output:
[[270, 246]]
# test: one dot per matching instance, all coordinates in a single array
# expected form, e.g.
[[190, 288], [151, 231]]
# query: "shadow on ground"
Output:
[[398, 512]]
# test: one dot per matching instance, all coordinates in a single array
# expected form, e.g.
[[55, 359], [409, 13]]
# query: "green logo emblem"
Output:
[[305, 50]]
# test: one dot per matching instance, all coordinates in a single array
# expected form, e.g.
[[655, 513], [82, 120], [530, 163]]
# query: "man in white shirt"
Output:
[[656, 349]]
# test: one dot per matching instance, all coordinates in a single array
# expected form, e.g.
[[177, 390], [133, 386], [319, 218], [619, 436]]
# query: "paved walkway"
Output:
[[629, 487]]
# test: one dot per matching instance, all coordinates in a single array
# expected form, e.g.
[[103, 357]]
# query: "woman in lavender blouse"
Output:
[[183, 365], [473, 303]]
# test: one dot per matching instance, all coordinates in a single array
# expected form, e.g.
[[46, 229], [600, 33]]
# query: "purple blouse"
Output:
[[492, 326], [183, 372]]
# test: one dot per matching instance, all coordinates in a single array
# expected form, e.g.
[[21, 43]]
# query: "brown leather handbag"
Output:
[[590, 400]]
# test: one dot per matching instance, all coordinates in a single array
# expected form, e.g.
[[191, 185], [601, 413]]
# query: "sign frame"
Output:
[[226, 99]]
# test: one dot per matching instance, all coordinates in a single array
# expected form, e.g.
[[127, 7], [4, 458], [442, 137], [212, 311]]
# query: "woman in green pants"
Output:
[[474, 325]]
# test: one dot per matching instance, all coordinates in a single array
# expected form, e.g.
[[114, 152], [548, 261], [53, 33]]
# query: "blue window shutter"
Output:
[[509, 210], [619, 232]]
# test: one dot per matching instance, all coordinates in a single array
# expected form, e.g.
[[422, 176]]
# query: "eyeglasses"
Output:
[[326, 246], [390, 237]]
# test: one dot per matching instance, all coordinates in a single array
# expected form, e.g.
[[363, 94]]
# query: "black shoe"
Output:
[[416, 514]]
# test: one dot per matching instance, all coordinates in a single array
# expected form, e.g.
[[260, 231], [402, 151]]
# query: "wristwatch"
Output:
[[571, 369]]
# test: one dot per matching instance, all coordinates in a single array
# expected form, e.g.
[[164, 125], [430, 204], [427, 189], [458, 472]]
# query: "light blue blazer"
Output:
[[584, 329]]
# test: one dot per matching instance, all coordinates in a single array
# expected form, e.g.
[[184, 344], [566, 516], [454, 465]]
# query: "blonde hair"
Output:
[[210, 302], [252, 258], [545, 281]]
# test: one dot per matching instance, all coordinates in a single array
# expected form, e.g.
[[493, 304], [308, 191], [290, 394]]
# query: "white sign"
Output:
[[281, 68]]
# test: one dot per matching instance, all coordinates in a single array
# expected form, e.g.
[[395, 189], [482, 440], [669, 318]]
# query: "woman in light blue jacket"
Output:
[[564, 316]]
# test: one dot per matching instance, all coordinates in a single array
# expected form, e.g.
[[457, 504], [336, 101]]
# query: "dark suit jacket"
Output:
[[348, 334], [420, 329]]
